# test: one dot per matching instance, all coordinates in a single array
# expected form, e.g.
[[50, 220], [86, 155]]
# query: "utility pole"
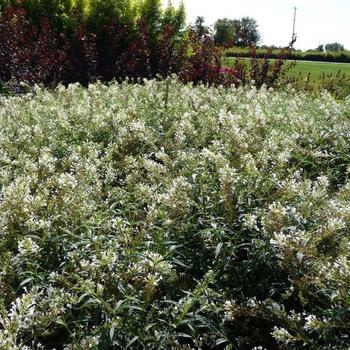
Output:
[[294, 35]]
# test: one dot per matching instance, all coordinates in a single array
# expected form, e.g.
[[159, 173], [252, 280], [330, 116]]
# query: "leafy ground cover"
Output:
[[167, 216]]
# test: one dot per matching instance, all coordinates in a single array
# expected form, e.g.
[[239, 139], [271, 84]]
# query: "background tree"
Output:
[[199, 26], [334, 47], [241, 32], [246, 32], [102, 13], [224, 32], [320, 48], [174, 17], [180, 17], [151, 13]]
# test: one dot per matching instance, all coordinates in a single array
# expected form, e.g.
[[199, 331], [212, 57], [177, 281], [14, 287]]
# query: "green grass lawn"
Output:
[[315, 69]]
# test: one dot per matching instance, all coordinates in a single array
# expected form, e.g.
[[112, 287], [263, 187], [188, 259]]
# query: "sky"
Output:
[[317, 21]]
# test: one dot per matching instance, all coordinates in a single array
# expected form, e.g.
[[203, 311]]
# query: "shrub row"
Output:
[[341, 56], [40, 44], [88, 40]]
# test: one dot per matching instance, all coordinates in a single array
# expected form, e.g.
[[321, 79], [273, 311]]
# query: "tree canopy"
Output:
[[334, 47], [236, 32], [199, 26], [224, 32]]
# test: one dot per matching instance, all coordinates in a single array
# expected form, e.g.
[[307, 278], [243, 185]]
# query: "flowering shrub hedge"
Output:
[[167, 216]]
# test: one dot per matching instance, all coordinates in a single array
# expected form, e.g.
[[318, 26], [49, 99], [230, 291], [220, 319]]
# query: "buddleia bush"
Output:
[[168, 216]]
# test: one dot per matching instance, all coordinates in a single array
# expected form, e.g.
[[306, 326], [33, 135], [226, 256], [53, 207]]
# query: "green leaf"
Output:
[[111, 333], [26, 281], [178, 262], [132, 341], [218, 249], [221, 341]]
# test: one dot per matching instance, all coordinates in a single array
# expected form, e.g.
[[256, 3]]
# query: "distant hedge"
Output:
[[341, 56]]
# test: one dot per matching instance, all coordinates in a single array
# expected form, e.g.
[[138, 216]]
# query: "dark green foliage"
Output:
[[151, 13]]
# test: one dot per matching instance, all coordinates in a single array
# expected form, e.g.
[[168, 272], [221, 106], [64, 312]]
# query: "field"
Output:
[[168, 216], [315, 69], [316, 56]]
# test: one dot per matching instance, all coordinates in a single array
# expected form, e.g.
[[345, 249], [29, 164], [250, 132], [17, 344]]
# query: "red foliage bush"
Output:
[[30, 54], [264, 70], [134, 62]]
